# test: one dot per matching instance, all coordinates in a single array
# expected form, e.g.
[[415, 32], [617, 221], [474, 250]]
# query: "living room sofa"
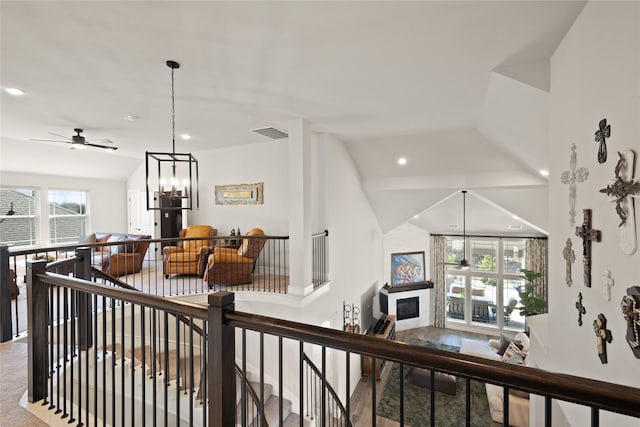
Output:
[[118, 260], [518, 400]]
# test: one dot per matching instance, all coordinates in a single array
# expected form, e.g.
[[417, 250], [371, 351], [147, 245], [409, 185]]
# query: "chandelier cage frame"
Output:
[[171, 167]]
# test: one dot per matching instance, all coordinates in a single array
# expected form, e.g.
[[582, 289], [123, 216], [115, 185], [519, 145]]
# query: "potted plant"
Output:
[[531, 302]]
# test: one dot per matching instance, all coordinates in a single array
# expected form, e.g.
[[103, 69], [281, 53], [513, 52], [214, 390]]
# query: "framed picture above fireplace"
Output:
[[407, 268]]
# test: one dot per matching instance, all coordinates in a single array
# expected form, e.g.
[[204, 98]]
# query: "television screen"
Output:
[[370, 307]]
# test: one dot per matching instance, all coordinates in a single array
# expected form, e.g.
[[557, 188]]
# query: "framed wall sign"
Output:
[[407, 268], [239, 194]]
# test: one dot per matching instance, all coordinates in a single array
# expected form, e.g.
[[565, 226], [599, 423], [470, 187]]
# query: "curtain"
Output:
[[438, 251], [536, 260]]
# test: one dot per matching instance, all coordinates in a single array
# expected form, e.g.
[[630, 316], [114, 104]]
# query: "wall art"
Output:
[[569, 256], [588, 235], [623, 189], [630, 307], [572, 176], [407, 268], [581, 310], [239, 194], [607, 282], [603, 336], [602, 133]]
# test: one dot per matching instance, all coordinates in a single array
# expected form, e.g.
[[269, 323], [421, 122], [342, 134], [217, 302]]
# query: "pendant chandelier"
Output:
[[172, 178]]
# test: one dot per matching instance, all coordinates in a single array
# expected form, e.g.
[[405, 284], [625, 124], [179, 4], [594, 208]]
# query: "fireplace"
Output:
[[408, 308]]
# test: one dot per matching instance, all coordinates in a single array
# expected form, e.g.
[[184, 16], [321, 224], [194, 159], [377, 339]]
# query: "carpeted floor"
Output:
[[450, 410]]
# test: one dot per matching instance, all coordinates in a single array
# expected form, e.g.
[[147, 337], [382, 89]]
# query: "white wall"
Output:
[[107, 198], [595, 74]]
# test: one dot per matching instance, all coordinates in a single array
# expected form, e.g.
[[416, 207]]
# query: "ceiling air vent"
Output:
[[452, 226], [271, 132], [515, 227]]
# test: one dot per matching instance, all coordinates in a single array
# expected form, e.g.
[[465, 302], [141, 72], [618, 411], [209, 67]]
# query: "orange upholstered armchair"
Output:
[[228, 266], [190, 256]]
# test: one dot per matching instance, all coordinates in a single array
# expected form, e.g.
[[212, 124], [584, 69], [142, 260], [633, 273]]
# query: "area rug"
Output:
[[450, 410]]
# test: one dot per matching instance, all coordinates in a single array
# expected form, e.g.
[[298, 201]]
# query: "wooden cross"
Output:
[[571, 177], [623, 188], [630, 307], [588, 235], [603, 336], [607, 283], [570, 257], [581, 309]]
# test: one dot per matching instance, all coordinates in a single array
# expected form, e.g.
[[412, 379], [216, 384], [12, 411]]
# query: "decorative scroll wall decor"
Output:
[[607, 283], [571, 177], [569, 256], [603, 336], [602, 133], [581, 309], [630, 307], [623, 188], [240, 194], [588, 235]]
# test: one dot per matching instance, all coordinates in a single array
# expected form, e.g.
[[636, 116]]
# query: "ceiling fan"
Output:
[[78, 141], [463, 263]]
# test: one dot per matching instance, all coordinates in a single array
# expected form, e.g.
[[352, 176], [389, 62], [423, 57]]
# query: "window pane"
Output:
[[18, 216], [483, 299], [455, 296], [512, 318], [484, 254], [455, 249], [513, 255], [67, 215]]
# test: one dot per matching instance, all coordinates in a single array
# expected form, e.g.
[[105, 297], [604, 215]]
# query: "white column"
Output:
[[300, 208]]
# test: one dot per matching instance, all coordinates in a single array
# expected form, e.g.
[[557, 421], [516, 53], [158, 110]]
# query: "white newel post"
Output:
[[300, 263]]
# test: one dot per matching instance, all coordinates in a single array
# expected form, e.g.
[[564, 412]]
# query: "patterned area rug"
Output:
[[450, 410]]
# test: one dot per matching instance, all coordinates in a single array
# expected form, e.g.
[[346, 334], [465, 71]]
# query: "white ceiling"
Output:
[[459, 88]]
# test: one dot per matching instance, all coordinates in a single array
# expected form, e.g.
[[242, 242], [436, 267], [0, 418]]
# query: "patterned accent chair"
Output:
[[190, 256], [228, 266]]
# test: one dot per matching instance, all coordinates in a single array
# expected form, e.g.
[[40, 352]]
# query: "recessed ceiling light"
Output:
[[131, 117], [515, 217], [14, 91], [515, 227], [402, 161], [185, 136], [452, 226], [415, 217], [544, 172]]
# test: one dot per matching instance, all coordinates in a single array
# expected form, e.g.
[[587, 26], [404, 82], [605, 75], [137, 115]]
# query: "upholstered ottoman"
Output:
[[443, 382]]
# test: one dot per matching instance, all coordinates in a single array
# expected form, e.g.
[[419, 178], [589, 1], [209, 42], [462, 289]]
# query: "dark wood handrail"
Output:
[[178, 307], [597, 394]]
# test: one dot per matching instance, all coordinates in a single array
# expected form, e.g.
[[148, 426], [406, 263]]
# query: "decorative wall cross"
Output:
[[581, 309], [588, 235], [571, 177], [570, 257], [630, 307], [607, 283], [603, 336], [603, 132], [623, 188]]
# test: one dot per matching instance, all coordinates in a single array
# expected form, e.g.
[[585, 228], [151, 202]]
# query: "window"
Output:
[[487, 293], [18, 216], [67, 215]]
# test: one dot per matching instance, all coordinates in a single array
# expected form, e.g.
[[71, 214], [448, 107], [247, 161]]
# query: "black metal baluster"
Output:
[[432, 373], [95, 359], [467, 399], [178, 370], [505, 406], [73, 351], [547, 411], [323, 391], [191, 371], [595, 417], [57, 361], [154, 365], [143, 374], [133, 364], [122, 364], [300, 379], [280, 385], [65, 355], [401, 394], [373, 391], [114, 361], [243, 384], [261, 403], [104, 360], [166, 369], [52, 362], [348, 388]]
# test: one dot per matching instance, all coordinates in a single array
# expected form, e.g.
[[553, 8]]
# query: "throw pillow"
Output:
[[494, 344], [87, 238], [513, 349]]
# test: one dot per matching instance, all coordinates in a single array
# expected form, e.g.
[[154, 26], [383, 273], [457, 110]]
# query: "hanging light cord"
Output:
[[173, 118]]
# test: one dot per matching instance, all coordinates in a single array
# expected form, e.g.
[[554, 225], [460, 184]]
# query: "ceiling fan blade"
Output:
[[106, 147], [61, 136], [101, 141], [51, 140]]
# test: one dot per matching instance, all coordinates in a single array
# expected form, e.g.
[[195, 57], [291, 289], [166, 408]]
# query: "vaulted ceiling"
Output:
[[458, 88]]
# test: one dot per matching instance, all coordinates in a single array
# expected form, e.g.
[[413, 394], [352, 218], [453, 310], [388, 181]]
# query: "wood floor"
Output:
[[362, 396]]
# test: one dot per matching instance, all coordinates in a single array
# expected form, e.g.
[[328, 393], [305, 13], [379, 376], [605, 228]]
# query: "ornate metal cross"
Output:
[[603, 336], [602, 133], [571, 177], [588, 235], [630, 307], [623, 188], [570, 257], [581, 309]]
